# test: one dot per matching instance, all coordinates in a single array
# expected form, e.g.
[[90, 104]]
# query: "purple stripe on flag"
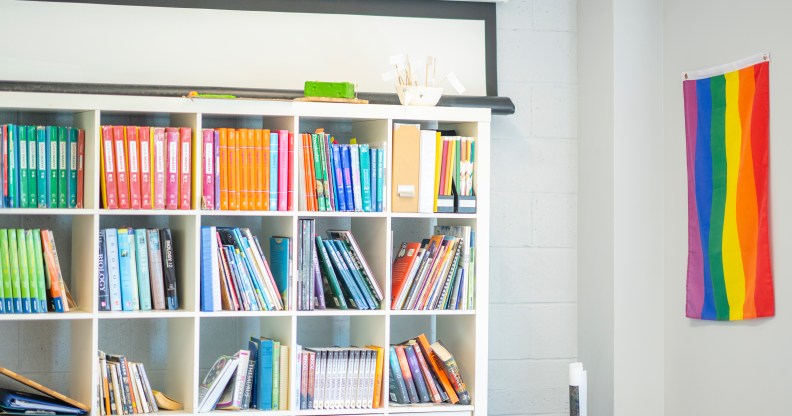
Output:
[[695, 274]]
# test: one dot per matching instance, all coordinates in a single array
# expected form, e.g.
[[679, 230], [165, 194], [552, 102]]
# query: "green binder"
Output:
[[41, 166], [52, 155], [365, 177], [38, 258], [63, 174], [16, 283], [27, 240], [5, 269], [72, 168]]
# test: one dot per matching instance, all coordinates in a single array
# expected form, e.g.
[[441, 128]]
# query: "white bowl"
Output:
[[411, 95]]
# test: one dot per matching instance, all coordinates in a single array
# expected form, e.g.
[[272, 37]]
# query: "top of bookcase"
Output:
[[26, 101]]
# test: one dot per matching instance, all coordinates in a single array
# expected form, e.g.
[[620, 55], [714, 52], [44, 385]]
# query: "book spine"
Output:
[[41, 167], [311, 380], [321, 194], [427, 375], [318, 293], [356, 184], [250, 372], [113, 268], [122, 174], [133, 150], [303, 380], [338, 173], [276, 352], [234, 167], [244, 157], [265, 375], [141, 256], [172, 168], [398, 388], [207, 197], [417, 375], [326, 165], [412, 391], [155, 269], [346, 165], [31, 270], [265, 169], [13, 301], [373, 159], [207, 281], [437, 368], [80, 203], [365, 177], [381, 180], [273, 171], [104, 292], [124, 266], [159, 154], [258, 169], [283, 401], [144, 156], [22, 268], [4, 172], [378, 368], [53, 168], [71, 169], [169, 269], [185, 168], [216, 170], [283, 169], [32, 142], [23, 159], [13, 166], [239, 379], [290, 178], [41, 277]]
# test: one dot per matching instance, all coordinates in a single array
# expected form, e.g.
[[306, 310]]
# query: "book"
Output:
[[128, 294], [451, 370], [143, 272], [172, 178], [208, 174], [113, 268], [119, 145], [38, 387], [160, 160], [33, 277], [222, 135], [108, 174], [41, 276], [185, 168], [397, 387], [169, 269], [133, 150], [426, 171], [283, 169], [437, 368], [232, 396], [417, 374], [32, 142], [80, 203], [290, 174], [216, 170], [156, 271], [104, 289], [365, 177], [23, 160], [274, 159], [377, 390], [210, 277], [354, 151], [279, 254], [42, 196], [215, 381]]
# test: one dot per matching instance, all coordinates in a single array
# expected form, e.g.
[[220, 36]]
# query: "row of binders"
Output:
[[124, 388], [341, 177], [146, 167], [247, 169], [436, 273], [340, 378], [423, 373], [333, 271], [433, 171], [42, 166], [253, 378], [235, 274], [137, 270], [32, 281]]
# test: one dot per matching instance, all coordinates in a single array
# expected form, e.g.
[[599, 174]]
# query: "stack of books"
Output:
[[32, 281], [41, 166], [437, 273], [423, 373], [248, 170], [45, 402], [333, 271], [137, 270], [255, 378], [124, 387], [340, 378], [341, 177], [235, 275], [433, 171], [146, 167]]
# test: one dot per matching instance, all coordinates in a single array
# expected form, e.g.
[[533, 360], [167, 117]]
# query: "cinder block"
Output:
[[527, 275], [558, 15], [534, 165], [511, 219], [546, 331], [538, 57], [554, 111], [514, 14], [555, 220]]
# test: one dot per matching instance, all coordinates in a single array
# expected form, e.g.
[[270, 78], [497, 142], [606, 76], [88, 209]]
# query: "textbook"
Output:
[[339, 378]]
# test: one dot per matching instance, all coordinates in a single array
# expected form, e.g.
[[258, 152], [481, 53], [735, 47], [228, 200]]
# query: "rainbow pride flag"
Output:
[[727, 117]]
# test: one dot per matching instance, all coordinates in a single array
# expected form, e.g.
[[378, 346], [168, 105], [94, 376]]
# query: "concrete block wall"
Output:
[[533, 286]]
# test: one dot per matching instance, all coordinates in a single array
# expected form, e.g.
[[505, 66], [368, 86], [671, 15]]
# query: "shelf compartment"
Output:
[[58, 354], [457, 333], [371, 235], [166, 347], [374, 132], [224, 335], [186, 240], [415, 229]]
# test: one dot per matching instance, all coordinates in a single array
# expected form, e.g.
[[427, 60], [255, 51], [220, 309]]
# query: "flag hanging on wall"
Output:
[[727, 118]]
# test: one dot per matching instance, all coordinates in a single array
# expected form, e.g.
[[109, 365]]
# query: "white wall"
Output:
[[71, 42], [620, 236], [533, 287], [738, 368]]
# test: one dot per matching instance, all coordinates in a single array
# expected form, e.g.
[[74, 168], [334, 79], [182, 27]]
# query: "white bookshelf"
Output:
[[175, 346]]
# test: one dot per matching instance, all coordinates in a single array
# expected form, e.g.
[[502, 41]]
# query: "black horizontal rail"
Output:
[[498, 105]]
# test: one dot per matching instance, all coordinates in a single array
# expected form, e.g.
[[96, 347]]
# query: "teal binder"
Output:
[[41, 167], [72, 167], [22, 158], [365, 176], [32, 138]]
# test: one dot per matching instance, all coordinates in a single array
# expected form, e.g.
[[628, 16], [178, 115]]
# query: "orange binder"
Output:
[[258, 170], [265, 154], [244, 167]]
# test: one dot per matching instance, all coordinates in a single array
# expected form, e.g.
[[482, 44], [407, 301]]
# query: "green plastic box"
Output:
[[329, 89]]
